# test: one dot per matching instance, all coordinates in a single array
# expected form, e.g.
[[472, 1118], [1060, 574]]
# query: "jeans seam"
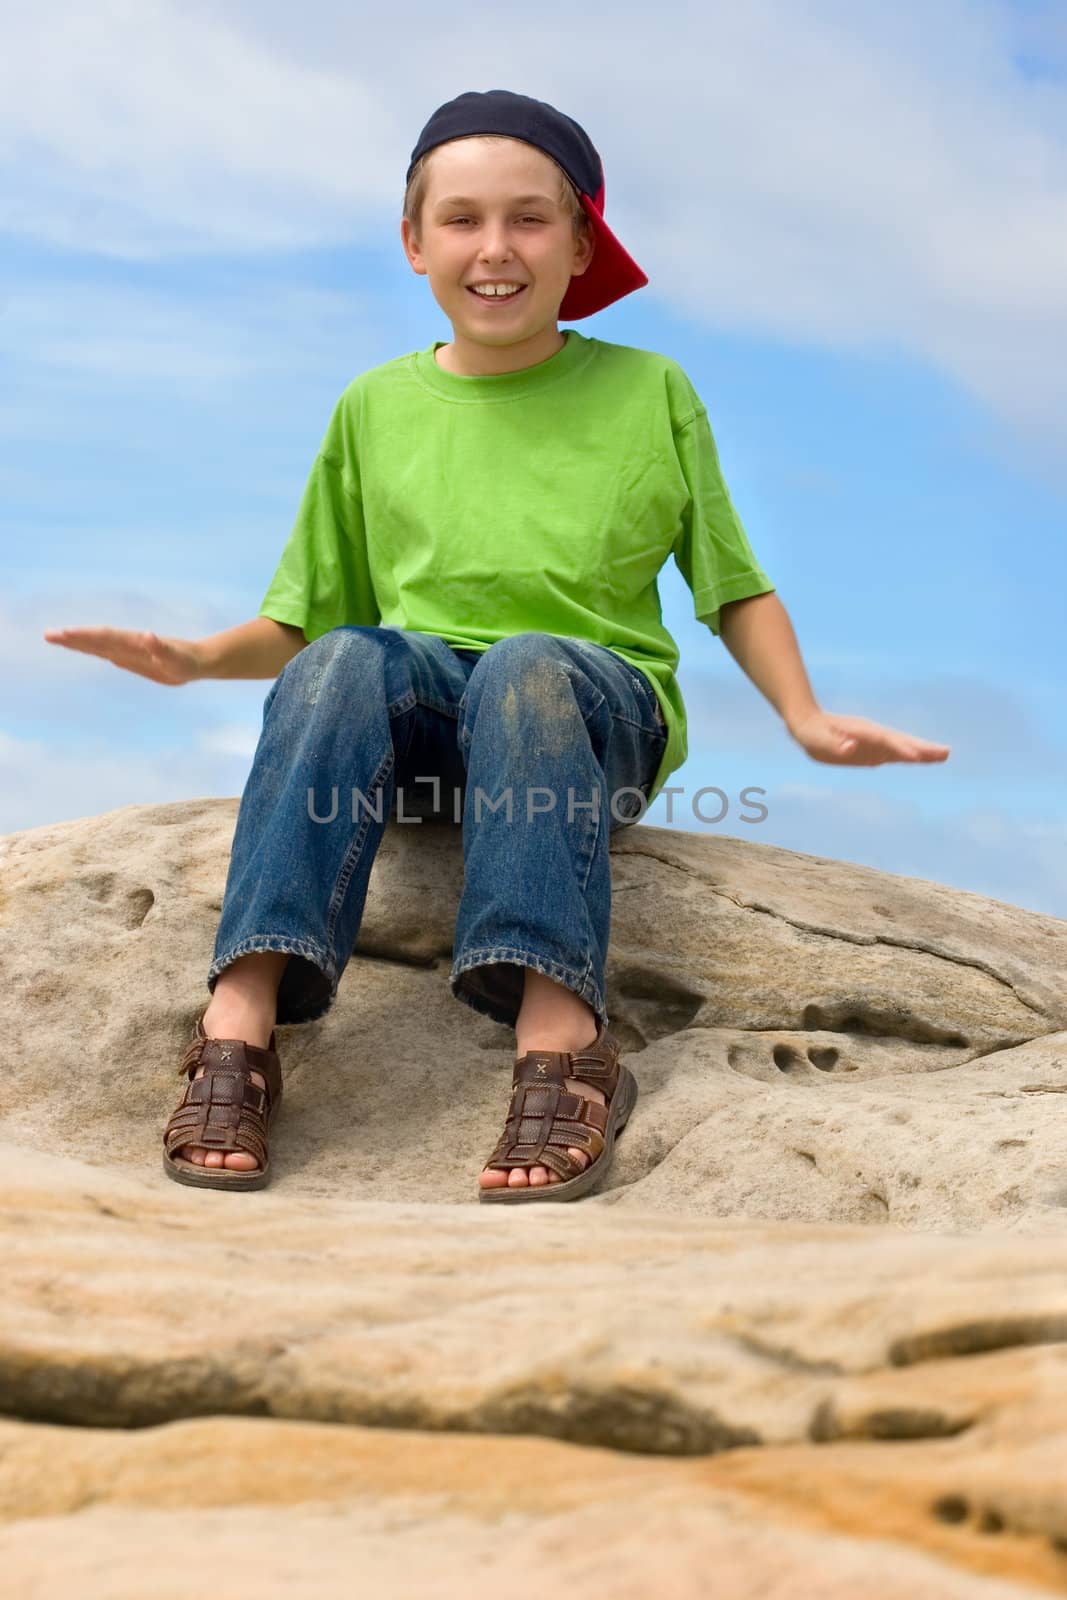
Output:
[[447, 708], [620, 716], [352, 854], [597, 823], [397, 707]]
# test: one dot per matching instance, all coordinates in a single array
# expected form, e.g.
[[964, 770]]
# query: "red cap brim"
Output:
[[610, 275]]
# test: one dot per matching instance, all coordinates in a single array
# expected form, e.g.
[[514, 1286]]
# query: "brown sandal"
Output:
[[544, 1119], [224, 1110]]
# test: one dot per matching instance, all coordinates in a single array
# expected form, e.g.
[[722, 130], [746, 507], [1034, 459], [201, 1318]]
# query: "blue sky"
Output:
[[854, 222]]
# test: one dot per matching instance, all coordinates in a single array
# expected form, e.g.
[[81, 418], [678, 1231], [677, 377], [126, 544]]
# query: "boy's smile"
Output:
[[490, 216]]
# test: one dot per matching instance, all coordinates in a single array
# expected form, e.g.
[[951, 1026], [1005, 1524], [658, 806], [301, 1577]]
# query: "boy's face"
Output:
[[510, 228]]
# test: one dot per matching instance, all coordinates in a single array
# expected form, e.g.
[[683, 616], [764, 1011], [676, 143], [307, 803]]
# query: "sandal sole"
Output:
[[622, 1105]]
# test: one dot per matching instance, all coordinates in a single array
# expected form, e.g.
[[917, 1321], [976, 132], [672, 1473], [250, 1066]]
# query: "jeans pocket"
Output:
[[649, 700]]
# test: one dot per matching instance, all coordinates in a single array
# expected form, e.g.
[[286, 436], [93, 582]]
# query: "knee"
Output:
[[330, 662], [522, 647], [527, 661], [337, 645], [525, 676]]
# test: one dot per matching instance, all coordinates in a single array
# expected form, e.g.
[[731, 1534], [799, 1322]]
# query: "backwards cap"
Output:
[[612, 273]]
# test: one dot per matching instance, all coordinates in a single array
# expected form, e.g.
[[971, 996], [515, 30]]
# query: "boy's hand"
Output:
[[855, 742], [170, 661]]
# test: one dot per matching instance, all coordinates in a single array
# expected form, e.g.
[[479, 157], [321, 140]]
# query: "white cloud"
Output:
[[40, 784], [152, 130], [237, 739], [67, 710], [849, 176], [76, 339]]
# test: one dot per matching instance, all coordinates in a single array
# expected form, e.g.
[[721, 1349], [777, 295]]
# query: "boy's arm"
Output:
[[759, 635], [256, 649]]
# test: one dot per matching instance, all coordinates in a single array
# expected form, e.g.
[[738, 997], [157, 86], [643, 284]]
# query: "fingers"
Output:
[[867, 744], [858, 742], [878, 755], [101, 641], [91, 641], [133, 652], [922, 750], [84, 638]]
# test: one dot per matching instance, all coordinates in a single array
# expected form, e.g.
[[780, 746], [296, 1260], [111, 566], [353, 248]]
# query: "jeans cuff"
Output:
[[309, 985], [501, 999]]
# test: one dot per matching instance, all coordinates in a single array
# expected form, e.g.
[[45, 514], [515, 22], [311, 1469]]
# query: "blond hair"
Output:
[[568, 197]]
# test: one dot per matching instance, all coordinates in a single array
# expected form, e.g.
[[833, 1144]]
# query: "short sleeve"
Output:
[[711, 550], [323, 578]]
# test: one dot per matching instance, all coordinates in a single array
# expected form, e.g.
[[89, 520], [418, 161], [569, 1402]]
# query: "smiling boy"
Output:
[[472, 580], [492, 212]]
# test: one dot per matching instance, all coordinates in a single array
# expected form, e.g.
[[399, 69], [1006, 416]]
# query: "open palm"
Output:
[[170, 661], [857, 742]]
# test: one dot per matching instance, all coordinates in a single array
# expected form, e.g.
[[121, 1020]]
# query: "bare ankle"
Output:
[[553, 1043], [244, 1001], [229, 1019]]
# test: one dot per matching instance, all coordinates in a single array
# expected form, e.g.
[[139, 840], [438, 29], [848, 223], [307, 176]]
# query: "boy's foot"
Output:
[[219, 1026], [519, 1177]]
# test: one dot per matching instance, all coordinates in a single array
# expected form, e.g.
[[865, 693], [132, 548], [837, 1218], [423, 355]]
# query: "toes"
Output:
[[239, 1160], [535, 1177]]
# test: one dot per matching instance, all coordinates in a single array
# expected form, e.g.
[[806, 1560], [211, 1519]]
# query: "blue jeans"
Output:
[[355, 729]]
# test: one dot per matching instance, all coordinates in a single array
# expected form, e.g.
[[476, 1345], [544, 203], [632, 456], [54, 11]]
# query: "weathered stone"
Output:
[[814, 1323]]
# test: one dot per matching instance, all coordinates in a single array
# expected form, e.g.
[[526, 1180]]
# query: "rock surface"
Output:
[[811, 1335]]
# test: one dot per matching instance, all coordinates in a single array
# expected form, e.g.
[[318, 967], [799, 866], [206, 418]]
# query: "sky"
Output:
[[853, 217]]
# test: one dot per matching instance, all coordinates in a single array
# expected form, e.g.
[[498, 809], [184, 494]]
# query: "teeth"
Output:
[[490, 289]]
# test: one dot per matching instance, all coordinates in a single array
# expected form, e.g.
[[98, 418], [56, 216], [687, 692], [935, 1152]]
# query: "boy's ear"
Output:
[[411, 246], [588, 249]]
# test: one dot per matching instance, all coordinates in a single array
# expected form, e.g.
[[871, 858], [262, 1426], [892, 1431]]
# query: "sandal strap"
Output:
[[543, 1123], [545, 1118], [264, 1061], [597, 1064], [224, 1109]]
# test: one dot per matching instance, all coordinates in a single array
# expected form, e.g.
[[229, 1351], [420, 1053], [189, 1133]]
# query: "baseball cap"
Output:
[[612, 273]]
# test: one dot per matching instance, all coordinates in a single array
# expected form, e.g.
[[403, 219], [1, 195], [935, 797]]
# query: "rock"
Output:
[[816, 1320]]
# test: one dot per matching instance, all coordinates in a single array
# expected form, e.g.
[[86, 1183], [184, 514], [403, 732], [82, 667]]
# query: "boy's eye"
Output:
[[521, 219]]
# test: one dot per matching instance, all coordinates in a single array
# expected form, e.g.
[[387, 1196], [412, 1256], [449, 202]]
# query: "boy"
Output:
[[470, 588]]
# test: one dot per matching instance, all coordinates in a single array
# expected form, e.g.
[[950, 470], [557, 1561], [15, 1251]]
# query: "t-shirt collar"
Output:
[[503, 385]]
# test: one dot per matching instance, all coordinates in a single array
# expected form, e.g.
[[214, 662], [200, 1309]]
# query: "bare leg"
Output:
[[243, 1005], [244, 1002], [551, 1017]]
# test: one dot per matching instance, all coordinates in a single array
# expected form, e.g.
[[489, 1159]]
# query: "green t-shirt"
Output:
[[544, 500]]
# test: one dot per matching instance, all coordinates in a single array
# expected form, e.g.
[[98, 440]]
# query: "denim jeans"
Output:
[[357, 727]]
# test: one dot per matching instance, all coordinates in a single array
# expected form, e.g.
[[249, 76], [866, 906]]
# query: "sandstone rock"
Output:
[[811, 1337]]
